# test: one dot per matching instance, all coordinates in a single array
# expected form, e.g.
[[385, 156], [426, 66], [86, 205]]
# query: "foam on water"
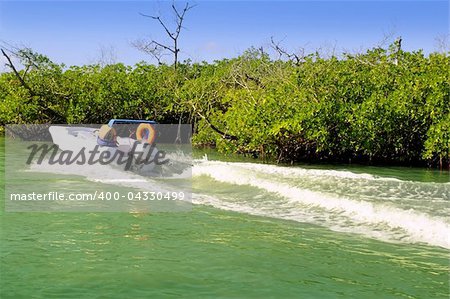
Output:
[[292, 193], [425, 197], [296, 171], [105, 174], [379, 219]]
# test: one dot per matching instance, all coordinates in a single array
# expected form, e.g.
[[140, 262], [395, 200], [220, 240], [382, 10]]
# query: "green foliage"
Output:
[[380, 106]]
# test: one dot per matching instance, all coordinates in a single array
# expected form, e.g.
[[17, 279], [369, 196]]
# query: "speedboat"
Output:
[[126, 143]]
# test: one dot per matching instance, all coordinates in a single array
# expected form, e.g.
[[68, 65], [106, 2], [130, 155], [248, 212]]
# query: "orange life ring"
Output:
[[145, 132]]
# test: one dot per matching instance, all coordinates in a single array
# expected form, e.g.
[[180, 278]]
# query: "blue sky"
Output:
[[73, 32]]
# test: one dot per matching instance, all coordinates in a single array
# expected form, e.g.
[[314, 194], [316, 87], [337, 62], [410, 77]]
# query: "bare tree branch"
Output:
[[156, 48], [107, 55], [163, 46], [170, 34], [215, 129], [443, 43], [16, 73], [297, 59]]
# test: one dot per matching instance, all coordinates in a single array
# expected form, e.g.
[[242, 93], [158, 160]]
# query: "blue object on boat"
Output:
[[129, 121]]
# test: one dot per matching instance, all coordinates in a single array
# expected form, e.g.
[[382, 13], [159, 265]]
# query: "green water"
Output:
[[244, 242]]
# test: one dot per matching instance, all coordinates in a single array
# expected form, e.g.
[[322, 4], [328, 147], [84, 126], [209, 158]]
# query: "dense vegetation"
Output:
[[384, 105]]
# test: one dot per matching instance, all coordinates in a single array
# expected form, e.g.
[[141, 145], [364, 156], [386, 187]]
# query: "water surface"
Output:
[[255, 230]]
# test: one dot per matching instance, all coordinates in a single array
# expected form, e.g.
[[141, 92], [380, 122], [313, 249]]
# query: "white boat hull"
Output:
[[78, 139]]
